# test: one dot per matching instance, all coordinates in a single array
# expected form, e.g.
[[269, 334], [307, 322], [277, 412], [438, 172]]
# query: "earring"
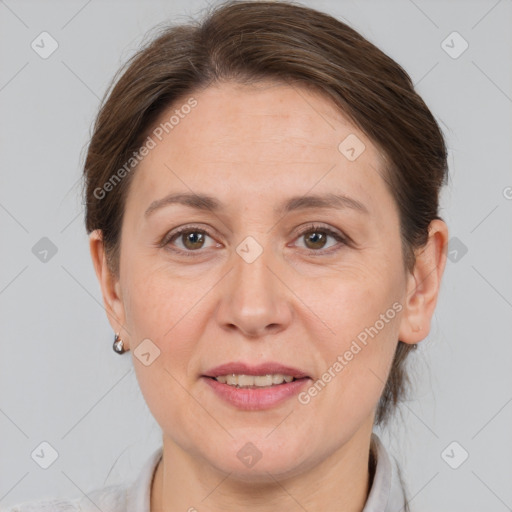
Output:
[[118, 345]]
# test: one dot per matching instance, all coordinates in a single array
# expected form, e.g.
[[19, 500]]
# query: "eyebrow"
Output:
[[206, 202]]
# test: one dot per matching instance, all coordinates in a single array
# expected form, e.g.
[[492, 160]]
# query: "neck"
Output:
[[181, 482]]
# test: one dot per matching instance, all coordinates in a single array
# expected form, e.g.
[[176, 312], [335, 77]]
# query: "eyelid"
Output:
[[311, 226]]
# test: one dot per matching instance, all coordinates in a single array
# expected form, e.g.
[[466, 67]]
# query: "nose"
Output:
[[253, 300]]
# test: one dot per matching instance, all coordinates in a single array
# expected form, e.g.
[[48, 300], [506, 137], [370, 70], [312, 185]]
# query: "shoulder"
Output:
[[111, 499], [134, 496]]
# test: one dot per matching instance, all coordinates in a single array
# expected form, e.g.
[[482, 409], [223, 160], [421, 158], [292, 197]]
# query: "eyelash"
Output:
[[170, 237]]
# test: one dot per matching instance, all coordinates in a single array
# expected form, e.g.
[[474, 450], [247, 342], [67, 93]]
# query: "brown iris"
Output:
[[317, 239], [193, 240]]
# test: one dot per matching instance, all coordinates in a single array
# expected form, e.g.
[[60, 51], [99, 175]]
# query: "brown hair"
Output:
[[284, 42]]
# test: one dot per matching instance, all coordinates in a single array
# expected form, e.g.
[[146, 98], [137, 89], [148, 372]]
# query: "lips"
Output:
[[247, 387], [239, 368]]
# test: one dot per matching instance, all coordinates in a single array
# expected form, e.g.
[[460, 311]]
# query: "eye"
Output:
[[316, 238], [188, 239]]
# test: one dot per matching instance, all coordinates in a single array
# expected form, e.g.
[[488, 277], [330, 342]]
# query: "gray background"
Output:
[[60, 381]]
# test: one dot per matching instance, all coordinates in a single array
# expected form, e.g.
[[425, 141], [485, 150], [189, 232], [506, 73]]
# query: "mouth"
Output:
[[255, 387]]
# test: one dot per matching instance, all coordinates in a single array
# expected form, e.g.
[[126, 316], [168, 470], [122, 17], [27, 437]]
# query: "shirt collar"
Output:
[[139, 492], [386, 493]]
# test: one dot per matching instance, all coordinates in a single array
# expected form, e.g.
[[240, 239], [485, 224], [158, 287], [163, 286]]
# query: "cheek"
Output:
[[362, 310], [162, 310], [351, 299], [159, 308], [169, 310], [154, 302]]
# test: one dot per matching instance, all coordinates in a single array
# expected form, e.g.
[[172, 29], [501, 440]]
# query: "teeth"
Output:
[[245, 381]]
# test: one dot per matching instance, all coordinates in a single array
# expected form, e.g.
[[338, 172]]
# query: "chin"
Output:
[[261, 458], [265, 471]]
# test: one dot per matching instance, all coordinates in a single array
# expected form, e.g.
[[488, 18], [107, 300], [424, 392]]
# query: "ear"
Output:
[[110, 286], [423, 285]]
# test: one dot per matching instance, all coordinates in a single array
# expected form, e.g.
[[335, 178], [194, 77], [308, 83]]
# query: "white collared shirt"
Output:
[[386, 494]]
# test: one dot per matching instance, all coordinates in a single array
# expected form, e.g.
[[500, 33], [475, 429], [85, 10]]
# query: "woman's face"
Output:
[[271, 270]]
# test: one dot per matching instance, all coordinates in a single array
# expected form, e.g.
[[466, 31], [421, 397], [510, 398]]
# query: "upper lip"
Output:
[[270, 368]]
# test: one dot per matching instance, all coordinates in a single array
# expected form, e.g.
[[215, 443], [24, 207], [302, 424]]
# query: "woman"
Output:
[[262, 202]]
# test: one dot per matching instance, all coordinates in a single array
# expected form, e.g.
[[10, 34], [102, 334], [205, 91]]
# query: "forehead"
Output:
[[266, 140], [265, 119]]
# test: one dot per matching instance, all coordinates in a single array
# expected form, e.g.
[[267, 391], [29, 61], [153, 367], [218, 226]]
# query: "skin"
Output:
[[299, 303]]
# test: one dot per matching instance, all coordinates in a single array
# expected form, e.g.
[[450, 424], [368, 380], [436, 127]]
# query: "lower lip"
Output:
[[253, 399]]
